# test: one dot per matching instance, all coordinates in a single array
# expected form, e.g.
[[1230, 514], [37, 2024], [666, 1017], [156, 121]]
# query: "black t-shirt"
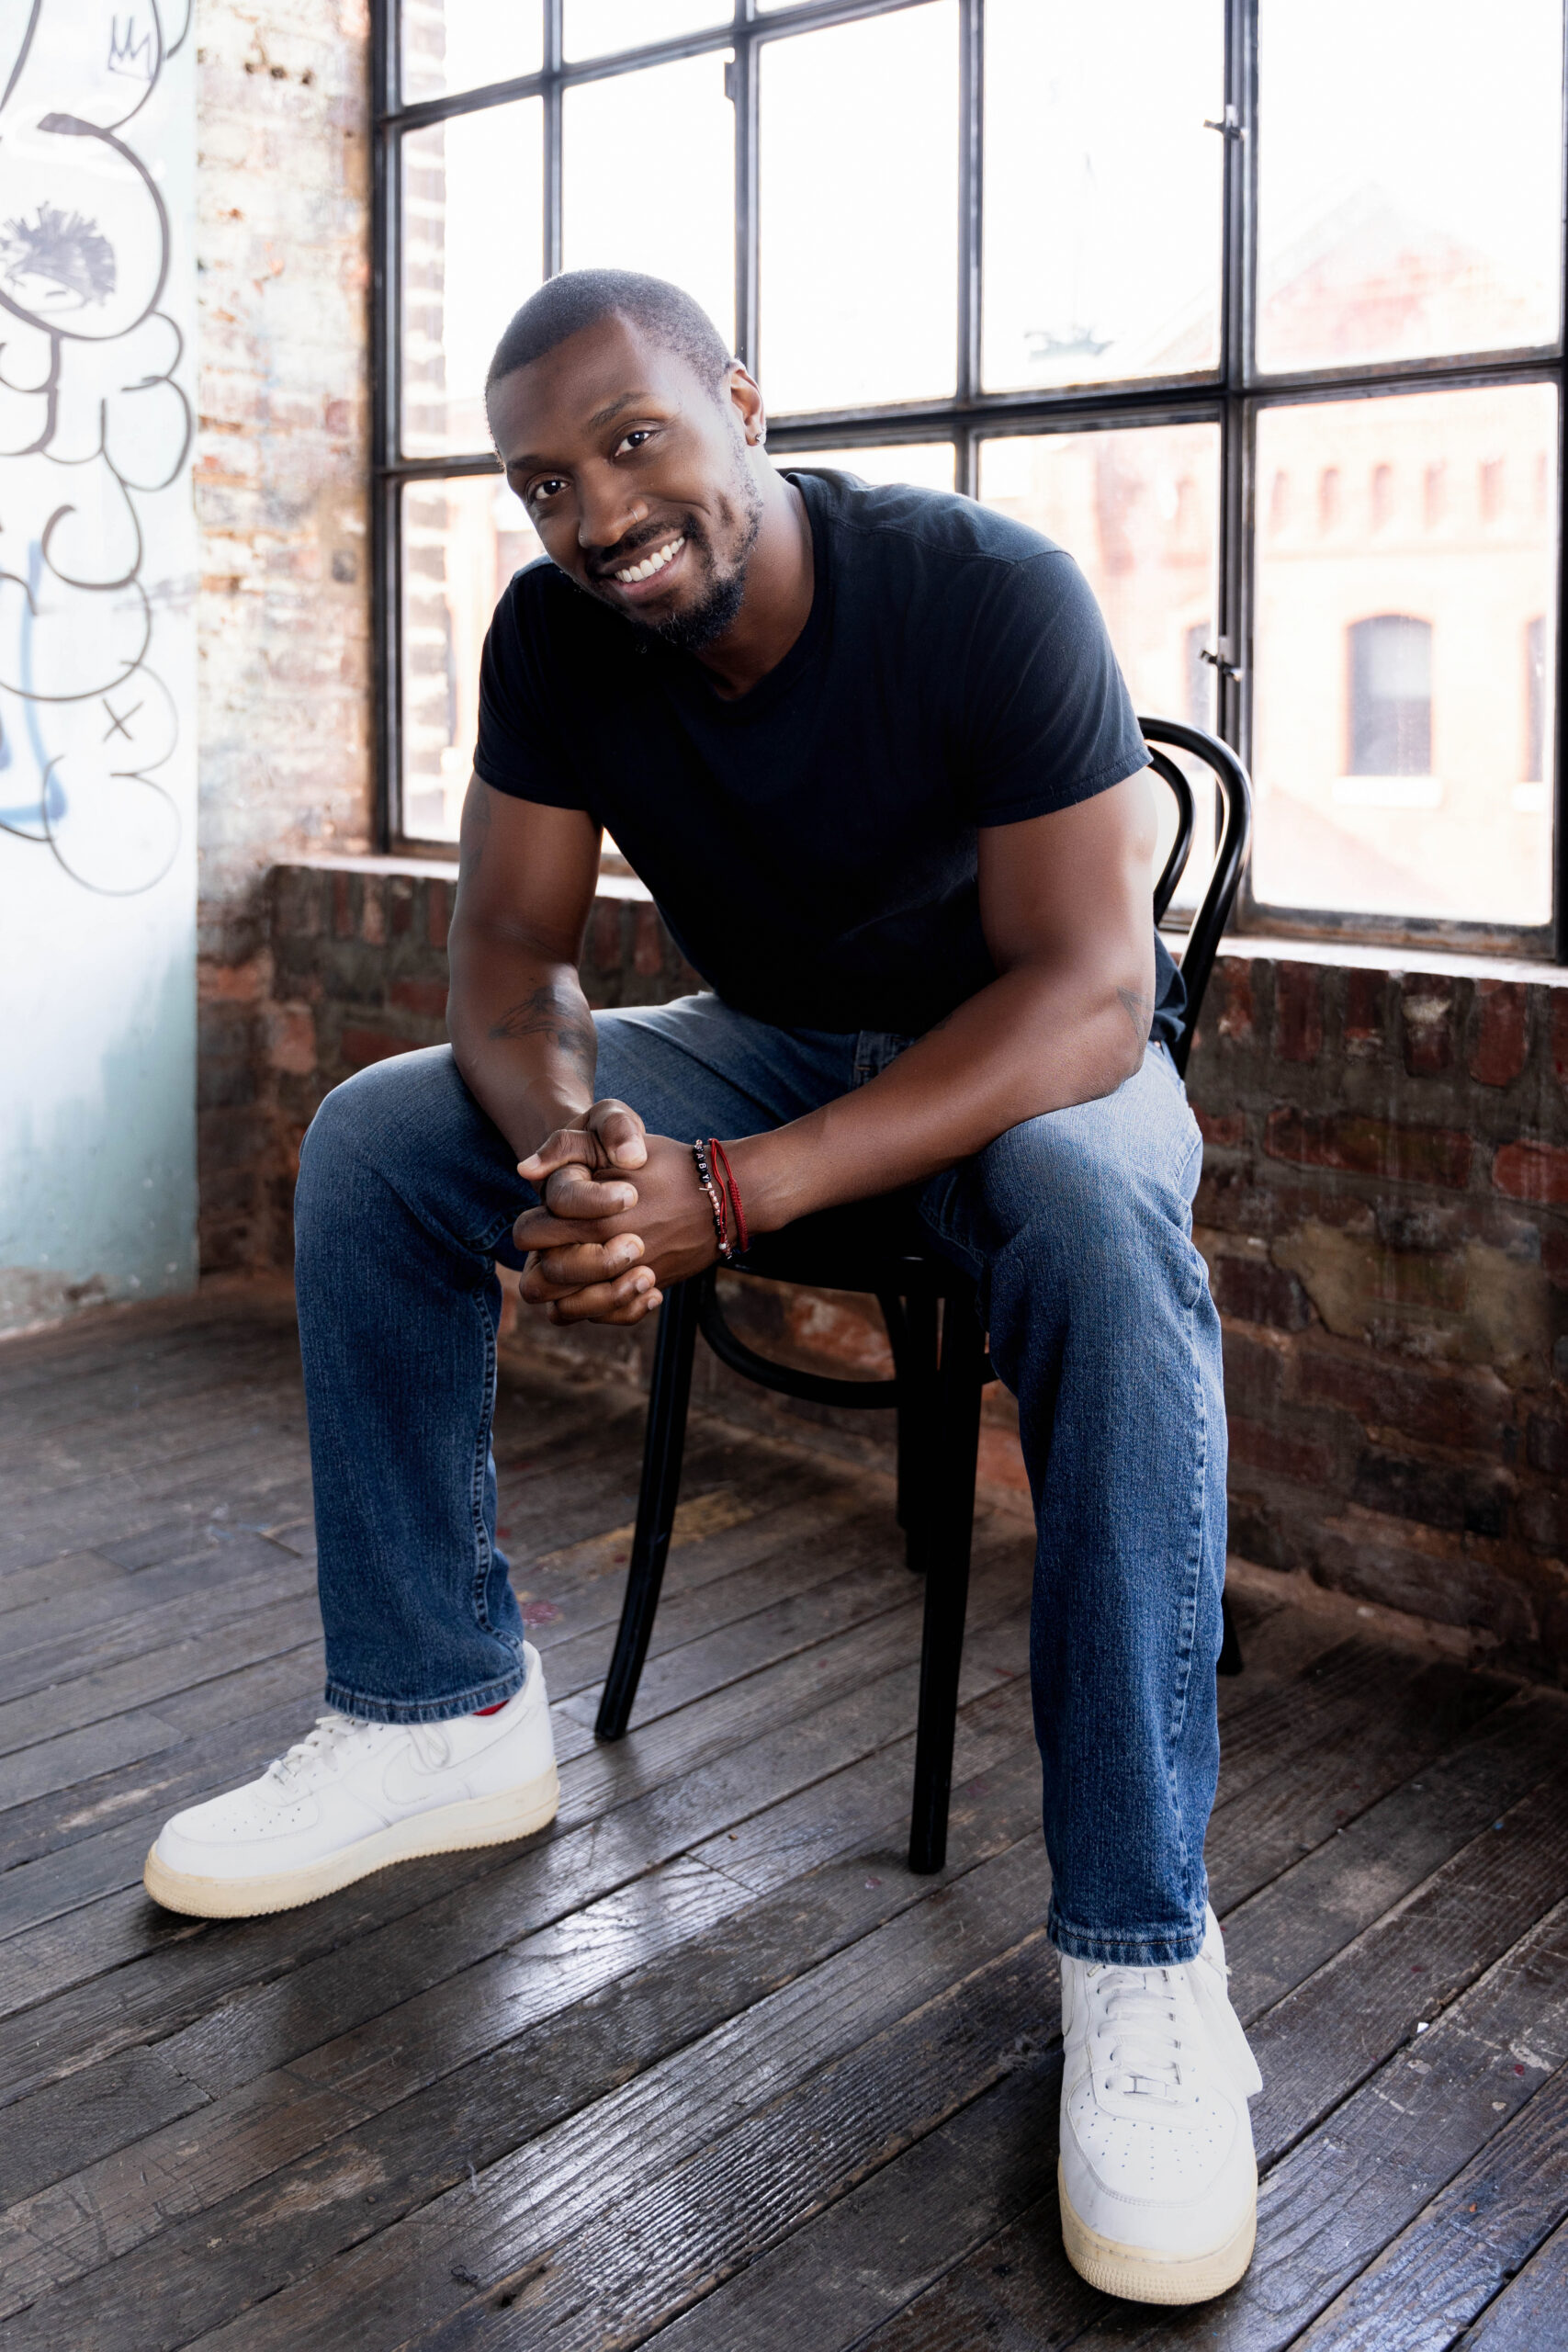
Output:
[[812, 844]]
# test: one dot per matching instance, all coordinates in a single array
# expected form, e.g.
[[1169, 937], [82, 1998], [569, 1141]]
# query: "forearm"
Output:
[[1035, 1040], [522, 1036]]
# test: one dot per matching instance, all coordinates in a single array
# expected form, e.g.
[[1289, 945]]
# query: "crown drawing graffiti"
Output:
[[131, 53]]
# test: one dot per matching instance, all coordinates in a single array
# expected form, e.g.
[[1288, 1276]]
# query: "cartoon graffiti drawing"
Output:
[[91, 411]]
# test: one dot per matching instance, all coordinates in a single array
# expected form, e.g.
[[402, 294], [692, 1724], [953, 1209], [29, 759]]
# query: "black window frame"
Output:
[[1230, 396]]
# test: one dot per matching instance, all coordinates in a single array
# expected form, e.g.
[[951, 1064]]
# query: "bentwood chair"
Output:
[[939, 1353]]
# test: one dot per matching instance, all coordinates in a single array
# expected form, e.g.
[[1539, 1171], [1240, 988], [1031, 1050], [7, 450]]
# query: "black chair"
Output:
[[879, 1247]]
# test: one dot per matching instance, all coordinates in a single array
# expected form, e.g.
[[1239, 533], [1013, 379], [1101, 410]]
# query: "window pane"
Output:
[[1404, 606], [1138, 508], [462, 542], [1102, 217], [461, 44], [859, 201], [1408, 179], [680, 224], [928, 464], [473, 241], [594, 28]]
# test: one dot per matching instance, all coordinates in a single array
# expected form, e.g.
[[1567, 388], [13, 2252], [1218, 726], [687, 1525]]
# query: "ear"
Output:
[[744, 395]]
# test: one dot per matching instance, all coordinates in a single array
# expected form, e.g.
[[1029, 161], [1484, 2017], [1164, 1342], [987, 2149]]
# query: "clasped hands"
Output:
[[622, 1212]]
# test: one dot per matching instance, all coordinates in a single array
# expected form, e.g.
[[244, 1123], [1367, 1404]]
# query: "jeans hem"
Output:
[[360, 1704], [1141, 1947]]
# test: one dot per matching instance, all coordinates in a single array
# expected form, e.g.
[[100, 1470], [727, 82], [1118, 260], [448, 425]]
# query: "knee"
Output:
[[365, 1126], [1083, 1223]]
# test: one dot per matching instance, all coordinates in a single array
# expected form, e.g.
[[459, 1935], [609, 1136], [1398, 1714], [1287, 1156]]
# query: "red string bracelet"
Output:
[[742, 1237]]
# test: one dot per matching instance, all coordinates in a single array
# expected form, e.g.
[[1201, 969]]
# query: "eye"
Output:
[[539, 492], [635, 439]]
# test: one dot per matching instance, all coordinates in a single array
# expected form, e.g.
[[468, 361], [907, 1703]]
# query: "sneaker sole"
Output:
[[1140, 2277], [448, 1829]]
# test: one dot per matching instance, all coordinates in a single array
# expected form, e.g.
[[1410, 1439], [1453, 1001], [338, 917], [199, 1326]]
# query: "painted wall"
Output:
[[98, 657]]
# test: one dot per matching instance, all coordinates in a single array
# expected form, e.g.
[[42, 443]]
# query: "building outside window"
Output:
[[1297, 421]]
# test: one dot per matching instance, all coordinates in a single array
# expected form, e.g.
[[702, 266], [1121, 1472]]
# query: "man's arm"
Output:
[[1067, 904], [519, 1022]]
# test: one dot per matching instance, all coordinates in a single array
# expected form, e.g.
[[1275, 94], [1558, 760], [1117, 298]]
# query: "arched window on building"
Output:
[[1391, 696]]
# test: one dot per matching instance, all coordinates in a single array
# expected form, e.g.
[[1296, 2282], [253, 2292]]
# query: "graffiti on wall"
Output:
[[89, 396]]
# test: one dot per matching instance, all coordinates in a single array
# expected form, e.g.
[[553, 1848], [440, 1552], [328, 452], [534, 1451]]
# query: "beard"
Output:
[[717, 607]]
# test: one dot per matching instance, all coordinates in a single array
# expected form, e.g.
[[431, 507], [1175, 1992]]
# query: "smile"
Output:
[[638, 575]]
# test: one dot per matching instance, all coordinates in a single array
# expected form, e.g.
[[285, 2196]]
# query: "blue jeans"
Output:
[[1077, 1227]]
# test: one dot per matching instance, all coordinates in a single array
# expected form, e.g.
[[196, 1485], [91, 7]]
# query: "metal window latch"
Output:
[[1218, 658], [1229, 127]]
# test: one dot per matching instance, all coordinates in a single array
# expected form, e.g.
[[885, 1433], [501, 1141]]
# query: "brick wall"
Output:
[[1384, 1211], [282, 198]]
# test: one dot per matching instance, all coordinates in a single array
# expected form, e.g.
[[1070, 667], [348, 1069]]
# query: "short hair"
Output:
[[581, 298]]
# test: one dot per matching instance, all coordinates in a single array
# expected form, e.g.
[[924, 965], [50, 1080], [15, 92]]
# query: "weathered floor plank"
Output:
[[703, 2066]]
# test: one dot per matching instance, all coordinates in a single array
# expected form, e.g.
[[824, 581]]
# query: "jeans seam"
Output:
[[1181, 1680]]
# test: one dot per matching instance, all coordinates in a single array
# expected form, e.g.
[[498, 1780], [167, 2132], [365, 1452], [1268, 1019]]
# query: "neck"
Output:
[[780, 578]]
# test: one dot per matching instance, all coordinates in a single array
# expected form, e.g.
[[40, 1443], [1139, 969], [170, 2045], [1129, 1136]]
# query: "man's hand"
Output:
[[598, 1259]]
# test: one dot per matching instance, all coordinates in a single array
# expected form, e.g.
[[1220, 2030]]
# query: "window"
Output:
[[1391, 696], [1297, 420]]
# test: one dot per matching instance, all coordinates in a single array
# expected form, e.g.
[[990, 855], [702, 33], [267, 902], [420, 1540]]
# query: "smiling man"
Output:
[[871, 752]]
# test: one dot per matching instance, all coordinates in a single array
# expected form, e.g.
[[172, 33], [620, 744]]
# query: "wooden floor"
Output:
[[704, 2065]]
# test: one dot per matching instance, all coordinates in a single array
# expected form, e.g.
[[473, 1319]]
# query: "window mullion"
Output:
[[742, 84], [971, 147], [552, 99]]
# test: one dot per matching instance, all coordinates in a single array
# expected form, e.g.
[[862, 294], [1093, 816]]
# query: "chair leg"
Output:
[[663, 1443], [954, 1452], [1230, 1658], [917, 1414]]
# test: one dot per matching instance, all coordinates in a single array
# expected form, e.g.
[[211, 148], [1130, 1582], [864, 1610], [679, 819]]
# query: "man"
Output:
[[872, 754]]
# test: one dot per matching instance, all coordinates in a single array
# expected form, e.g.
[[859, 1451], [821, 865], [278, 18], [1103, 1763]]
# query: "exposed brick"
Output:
[[1533, 1171], [647, 956], [1258, 1292], [1366, 994], [1427, 1024], [1465, 1411], [1546, 1444], [1298, 1012], [1437, 1494], [437, 911], [1254, 1378], [604, 934], [1258, 1447], [359, 1047], [1502, 1032], [1225, 1130], [344, 924], [1365, 1146], [400, 906], [291, 1039], [427, 998], [1236, 1003], [1554, 1253], [1560, 1034], [372, 911]]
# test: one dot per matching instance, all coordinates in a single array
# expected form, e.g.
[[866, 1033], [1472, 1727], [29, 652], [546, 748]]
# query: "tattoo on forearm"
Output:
[[558, 1013], [1139, 1009]]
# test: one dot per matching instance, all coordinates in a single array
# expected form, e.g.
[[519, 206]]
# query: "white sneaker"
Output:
[[351, 1797], [1157, 2178]]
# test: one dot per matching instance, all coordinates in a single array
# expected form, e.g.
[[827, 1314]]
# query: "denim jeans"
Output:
[[1077, 1227]]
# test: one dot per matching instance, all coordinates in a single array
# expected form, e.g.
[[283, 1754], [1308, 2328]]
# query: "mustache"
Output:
[[629, 549]]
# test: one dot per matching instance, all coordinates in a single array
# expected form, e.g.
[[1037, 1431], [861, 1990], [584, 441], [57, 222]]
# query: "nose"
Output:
[[608, 510]]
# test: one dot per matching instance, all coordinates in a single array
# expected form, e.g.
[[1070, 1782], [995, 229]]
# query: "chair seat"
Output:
[[879, 1246]]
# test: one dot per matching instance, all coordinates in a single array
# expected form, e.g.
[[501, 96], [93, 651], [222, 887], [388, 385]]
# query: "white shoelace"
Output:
[[1136, 2026], [319, 1745]]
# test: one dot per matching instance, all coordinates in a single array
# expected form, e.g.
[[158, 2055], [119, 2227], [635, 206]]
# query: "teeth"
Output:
[[655, 562]]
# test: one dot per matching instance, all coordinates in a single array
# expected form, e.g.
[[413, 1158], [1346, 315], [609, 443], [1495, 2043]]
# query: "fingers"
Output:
[[583, 1307], [573, 1192], [621, 1132], [556, 1271], [567, 1147], [538, 1229]]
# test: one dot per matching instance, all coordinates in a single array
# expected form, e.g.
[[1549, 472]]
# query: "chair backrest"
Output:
[[1235, 840]]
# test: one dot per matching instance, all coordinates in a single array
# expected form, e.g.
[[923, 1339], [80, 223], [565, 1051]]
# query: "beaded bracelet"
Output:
[[716, 1199]]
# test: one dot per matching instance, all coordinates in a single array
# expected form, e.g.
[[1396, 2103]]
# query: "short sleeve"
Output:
[[1049, 720], [519, 749]]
